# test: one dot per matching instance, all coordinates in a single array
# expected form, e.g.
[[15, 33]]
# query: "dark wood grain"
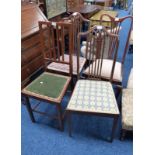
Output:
[[31, 55]]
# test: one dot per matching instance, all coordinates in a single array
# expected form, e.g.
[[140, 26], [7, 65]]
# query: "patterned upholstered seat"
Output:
[[127, 109], [127, 106], [93, 96], [64, 67]]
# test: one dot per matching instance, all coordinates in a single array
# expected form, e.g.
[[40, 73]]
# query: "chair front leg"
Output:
[[60, 118], [114, 127], [29, 109]]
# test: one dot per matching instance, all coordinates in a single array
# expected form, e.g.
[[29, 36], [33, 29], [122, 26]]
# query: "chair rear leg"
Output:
[[123, 134]]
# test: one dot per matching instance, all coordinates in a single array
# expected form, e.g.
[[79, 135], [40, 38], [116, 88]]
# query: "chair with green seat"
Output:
[[51, 87], [93, 96]]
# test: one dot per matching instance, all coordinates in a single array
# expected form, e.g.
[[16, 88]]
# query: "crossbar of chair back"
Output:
[[96, 39], [115, 25], [53, 42]]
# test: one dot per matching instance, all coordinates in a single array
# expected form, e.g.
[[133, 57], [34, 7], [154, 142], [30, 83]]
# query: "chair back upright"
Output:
[[80, 24], [115, 25], [96, 39], [53, 43]]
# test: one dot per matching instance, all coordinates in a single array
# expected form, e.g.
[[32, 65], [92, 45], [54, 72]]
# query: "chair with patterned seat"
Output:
[[51, 87], [127, 107], [92, 95]]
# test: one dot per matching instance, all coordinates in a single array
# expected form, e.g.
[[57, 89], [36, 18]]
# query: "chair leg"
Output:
[[123, 133], [29, 109], [69, 123], [60, 116], [114, 128], [72, 84]]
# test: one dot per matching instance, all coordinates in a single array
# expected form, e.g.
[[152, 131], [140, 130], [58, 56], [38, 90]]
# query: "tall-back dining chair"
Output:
[[114, 26], [51, 87], [93, 95]]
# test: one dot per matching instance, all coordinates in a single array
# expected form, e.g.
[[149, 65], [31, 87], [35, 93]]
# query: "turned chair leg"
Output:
[[123, 133], [29, 109]]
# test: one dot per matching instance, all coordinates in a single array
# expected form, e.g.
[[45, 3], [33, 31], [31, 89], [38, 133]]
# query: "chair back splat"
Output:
[[80, 24], [54, 45], [115, 25], [96, 48]]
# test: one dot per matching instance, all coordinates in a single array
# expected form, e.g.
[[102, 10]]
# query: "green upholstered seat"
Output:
[[47, 85]]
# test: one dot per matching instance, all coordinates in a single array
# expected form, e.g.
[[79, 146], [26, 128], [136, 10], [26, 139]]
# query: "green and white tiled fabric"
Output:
[[93, 96], [127, 109]]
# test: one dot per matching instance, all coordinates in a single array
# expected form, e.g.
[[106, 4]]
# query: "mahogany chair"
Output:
[[115, 25], [93, 95], [51, 87]]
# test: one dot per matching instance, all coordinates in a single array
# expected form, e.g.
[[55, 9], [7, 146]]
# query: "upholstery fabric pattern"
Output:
[[130, 80], [127, 109], [48, 86], [93, 96], [106, 69], [64, 67]]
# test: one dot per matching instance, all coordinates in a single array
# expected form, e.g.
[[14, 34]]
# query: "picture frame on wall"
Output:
[[55, 7]]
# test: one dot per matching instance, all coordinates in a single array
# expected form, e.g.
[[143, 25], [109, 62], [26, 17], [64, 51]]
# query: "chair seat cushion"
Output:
[[127, 109], [48, 86], [106, 70], [93, 96], [130, 80], [64, 67]]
